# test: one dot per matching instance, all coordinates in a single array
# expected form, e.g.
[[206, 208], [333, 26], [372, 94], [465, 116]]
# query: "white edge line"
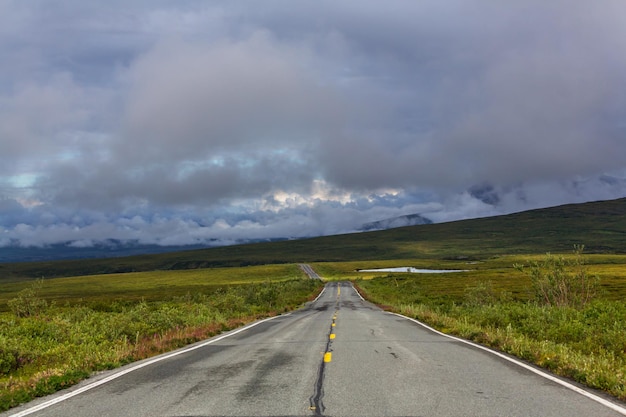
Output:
[[320, 294], [136, 367], [357, 293], [552, 378]]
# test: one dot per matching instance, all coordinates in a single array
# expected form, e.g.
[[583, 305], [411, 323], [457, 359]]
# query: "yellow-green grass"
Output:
[[499, 270], [160, 285], [150, 286]]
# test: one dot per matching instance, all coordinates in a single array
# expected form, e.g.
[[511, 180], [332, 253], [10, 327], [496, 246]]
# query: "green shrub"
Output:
[[560, 281], [482, 293], [27, 303], [8, 362]]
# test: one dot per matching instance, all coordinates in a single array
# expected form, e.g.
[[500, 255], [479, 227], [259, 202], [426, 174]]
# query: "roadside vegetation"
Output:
[[46, 346], [565, 321]]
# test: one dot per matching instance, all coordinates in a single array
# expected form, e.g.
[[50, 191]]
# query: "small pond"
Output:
[[413, 270]]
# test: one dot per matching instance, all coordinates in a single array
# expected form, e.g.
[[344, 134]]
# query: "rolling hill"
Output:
[[600, 226]]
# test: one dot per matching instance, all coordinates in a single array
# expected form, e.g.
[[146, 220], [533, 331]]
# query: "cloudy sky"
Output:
[[183, 122]]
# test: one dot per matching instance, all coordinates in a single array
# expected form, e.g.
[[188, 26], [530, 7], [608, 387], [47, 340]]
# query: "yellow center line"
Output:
[[328, 356]]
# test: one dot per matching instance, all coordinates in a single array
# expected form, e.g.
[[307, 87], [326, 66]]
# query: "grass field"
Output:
[[499, 270], [149, 285]]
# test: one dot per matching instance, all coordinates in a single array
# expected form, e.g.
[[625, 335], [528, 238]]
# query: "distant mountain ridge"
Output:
[[107, 249], [400, 221], [110, 248]]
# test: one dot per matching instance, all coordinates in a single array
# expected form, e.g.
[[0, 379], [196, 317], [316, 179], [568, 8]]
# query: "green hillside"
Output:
[[600, 226]]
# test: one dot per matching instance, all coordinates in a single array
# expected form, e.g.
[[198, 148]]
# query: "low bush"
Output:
[[562, 281], [8, 361], [28, 303]]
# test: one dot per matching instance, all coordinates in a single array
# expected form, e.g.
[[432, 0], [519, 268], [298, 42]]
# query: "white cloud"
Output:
[[169, 123]]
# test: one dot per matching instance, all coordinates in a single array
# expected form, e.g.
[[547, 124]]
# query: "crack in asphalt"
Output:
[[316, 404]]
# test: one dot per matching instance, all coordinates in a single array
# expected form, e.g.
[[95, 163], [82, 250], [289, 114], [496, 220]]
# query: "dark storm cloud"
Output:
[[204, 123], [153, 119], [189, 98], [466, 92], [526, 97], [113, 186]]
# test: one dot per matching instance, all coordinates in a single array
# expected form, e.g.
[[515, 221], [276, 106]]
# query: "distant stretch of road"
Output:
[[309, 271], [338, 356]]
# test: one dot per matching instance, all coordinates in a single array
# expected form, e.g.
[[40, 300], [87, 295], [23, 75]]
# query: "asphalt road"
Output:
[[309, 271], [339, 356]]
